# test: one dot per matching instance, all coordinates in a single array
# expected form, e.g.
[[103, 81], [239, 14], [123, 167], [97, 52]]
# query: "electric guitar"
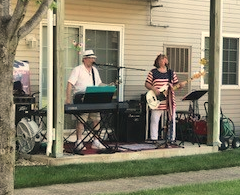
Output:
[[154, 101]]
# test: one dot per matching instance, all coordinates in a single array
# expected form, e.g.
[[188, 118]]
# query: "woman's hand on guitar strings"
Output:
[[156, 91]]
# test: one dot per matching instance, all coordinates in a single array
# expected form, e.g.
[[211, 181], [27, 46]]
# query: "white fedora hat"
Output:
[[89, 54]]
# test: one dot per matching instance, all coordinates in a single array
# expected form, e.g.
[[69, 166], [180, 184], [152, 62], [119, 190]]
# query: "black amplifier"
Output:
[[22, 106], [24, 100], [134, 106], [132, 123]]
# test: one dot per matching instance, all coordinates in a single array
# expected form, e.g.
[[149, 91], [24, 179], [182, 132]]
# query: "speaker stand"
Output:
[[167, 143]]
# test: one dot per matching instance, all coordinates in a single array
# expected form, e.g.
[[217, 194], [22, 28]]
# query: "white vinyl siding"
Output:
[[187, 19]]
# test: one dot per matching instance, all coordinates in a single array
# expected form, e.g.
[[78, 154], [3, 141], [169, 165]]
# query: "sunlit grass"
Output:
[[47, 175], [211, 188]]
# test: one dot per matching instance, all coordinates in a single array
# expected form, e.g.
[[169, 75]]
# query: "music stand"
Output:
[[194, 96], [99, 94]]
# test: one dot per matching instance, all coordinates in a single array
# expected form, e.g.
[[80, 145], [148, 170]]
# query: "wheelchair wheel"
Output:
[[225, 143], [236, 142]]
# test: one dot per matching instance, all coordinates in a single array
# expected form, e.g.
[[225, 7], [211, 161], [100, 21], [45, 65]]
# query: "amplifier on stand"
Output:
[[24, 100], [22, 107]]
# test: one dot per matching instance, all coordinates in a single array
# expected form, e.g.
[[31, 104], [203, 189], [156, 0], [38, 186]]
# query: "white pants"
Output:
[[154, 125], [172, 128]]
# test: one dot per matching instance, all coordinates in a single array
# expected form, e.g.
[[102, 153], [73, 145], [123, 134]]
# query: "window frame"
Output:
[[227, 35], [107, 27], [91, 26], [188, 73]]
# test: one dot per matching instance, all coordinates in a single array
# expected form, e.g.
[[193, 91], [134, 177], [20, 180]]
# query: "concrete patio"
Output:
[[70, 158]]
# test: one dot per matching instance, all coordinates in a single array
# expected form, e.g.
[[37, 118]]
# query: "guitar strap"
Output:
[[169, 97], [169, 76], [93, 77]]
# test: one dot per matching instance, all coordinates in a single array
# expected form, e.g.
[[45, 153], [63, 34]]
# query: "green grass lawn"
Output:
[[213, 188], [47, 175]]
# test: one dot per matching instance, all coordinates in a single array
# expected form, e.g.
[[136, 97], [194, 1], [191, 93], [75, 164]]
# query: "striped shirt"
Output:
[[158, 80]]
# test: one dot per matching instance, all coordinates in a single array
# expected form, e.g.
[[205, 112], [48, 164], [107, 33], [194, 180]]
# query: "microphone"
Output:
[[94, 63]]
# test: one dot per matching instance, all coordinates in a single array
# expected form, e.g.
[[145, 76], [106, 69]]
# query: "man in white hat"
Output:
[[81, 77]]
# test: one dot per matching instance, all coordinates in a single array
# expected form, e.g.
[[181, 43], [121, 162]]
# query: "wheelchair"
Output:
[[227, 131]]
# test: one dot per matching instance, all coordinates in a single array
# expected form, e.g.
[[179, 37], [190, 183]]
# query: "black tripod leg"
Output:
[[165, 132], [172, 141], [182, 135]]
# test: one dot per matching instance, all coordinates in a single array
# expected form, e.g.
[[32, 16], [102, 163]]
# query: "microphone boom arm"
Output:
[[117, 67]]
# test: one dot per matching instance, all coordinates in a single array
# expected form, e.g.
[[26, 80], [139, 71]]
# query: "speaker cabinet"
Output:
[[23, 106], [132, 127], [21, 111]]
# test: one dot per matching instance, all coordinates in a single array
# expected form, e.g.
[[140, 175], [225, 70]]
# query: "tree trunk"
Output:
[[11, 30], [7, 114]]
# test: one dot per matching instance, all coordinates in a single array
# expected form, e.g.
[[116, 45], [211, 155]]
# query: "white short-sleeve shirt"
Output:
[[81, 78]]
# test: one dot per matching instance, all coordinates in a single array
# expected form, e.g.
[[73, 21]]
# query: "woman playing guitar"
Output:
[[161, 80]]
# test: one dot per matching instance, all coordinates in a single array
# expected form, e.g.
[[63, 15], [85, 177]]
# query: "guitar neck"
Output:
[[195, 76], [177, 86]]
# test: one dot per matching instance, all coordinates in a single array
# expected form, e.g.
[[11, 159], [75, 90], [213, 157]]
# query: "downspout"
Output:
[[50, 82]]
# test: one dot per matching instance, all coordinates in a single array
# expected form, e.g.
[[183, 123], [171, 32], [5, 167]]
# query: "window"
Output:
[[230, 60], [106, 47], [179, 61], [104, 40], [104, 43], [206, 56], [71, 57]]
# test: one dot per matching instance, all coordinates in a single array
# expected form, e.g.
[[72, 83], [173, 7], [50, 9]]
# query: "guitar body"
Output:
[[153, 100]]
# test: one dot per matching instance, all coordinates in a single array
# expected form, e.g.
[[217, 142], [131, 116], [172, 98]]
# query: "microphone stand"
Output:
[[117, 67], [117, 95]]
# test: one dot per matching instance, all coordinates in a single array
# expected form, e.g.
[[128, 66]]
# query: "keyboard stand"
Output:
[[108, 111], [106, 118], [92, 133]]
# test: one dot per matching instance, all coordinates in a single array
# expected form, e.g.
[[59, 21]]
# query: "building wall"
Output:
[[25, 52], [187, 20]]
